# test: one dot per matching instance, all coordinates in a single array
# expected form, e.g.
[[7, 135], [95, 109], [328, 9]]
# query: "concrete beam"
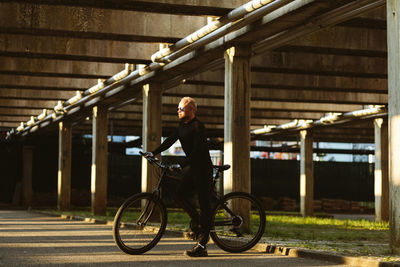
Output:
[[373, 40], [291, 78], [19, 15], [365, 23], [219, 111], [35, 87], [5, 126], [178, 7], [45, 82], [58, 68], [18, 113], [314, 81], [76, 49], [11, 118], [269, 94], [209, 119], [35, 94], [272, 105], [255, 113], [88, 35], [28, 104], [337, 65], [377, 13]]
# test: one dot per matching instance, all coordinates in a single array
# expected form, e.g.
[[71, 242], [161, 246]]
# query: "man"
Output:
[[191, 134]]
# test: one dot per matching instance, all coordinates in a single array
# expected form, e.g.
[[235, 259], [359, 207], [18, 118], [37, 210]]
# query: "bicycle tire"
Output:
[[237, 237], [130, 235]]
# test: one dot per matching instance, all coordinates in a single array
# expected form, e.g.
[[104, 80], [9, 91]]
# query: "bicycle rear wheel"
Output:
[[238, 222], [139, 223]]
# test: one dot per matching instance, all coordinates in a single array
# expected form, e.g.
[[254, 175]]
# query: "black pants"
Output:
[[199, 182]]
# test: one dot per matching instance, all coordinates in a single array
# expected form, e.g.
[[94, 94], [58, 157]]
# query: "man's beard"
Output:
[[184, 118]]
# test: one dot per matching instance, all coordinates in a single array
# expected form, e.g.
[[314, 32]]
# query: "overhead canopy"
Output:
[[310, 58]]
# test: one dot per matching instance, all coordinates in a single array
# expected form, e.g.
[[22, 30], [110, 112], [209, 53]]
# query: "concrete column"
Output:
[[99, 160], [237, 119], [393, 43], [306, 173], [152, 129], [381, 171], [64, 165], [27, 163], [237, 124]]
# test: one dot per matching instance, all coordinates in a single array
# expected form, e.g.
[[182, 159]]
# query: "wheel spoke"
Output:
[[139, 224], [239, 222]]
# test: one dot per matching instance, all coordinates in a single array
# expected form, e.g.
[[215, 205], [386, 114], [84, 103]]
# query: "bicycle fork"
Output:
[[146, 214]]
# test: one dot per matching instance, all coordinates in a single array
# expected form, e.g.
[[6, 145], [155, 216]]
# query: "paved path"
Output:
[[34, 239]]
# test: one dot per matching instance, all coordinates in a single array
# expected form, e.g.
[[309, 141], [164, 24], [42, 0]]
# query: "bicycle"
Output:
[[238, 218]]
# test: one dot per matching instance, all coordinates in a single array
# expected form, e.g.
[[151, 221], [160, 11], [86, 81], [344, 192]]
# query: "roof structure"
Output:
[[310, 59]]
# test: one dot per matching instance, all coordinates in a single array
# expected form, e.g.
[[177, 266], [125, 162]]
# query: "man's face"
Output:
[[185, 111]]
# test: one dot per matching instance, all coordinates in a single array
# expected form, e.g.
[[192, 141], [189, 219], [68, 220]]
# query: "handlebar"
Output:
[[156, 161]]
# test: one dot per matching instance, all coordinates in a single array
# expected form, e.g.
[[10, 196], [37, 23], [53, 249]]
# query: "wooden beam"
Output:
[[198, 8]]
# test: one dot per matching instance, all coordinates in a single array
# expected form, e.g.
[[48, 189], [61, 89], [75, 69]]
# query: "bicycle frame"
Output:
[[215, 195]]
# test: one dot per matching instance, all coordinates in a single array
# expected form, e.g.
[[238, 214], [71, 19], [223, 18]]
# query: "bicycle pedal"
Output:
[[238, 234]]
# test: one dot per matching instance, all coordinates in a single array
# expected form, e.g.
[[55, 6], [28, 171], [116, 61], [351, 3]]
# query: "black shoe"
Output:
[[197, 251]]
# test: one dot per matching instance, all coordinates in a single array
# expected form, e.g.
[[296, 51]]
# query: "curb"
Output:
[[303, 253], [264, 248]]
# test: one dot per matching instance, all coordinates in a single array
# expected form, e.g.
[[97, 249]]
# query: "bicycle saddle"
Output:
[[221, 168]]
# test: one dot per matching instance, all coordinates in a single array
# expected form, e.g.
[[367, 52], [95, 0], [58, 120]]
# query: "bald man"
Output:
[[198, 179]]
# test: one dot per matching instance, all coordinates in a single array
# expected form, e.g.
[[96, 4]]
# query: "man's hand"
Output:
[[175, 167], [148, 154]]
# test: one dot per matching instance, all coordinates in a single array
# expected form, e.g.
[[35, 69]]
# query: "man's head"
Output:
[[187, 109]]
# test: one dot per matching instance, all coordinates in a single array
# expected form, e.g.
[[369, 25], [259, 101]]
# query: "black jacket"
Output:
[[194, 144]]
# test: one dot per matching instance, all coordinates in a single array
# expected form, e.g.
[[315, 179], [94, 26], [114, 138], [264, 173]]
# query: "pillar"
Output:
[[237, 124], [306, 173], [381, 170], [64, 165], [27, 164], [237, 119], [99, 160], [152, 129], [393, 45]]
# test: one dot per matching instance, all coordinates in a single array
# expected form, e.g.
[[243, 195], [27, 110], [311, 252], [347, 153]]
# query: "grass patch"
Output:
[[313, 228]]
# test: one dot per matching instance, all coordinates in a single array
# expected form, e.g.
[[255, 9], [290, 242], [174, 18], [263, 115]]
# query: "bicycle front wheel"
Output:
[[139, 223], [238, 222]]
